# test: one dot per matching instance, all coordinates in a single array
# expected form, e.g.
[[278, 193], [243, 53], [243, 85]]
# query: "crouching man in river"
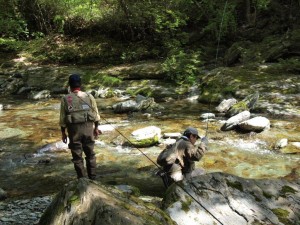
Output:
[[178, 160], [79, 116]]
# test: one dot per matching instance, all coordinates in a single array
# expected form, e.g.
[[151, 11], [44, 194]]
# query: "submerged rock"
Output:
[[87, 202], [291, 148], [54, 147], [227, 199], [281, 143], [39, 95], [206, 116]]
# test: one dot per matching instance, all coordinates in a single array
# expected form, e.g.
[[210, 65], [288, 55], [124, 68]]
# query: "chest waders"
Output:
[[80, 120]]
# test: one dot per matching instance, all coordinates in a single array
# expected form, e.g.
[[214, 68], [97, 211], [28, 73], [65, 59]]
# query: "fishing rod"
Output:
[[216, 60], [201, 205]]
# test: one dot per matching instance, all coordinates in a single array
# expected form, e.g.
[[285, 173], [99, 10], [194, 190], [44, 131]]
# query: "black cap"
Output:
[[191, 130], [74, 81]]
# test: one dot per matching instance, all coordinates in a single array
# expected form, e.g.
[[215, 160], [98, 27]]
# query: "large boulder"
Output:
[[127, 106], [247, 103], [145, 137], [140, 104], [83, 202], [232, 122], [257, 124], [226, 104], [219, 198]]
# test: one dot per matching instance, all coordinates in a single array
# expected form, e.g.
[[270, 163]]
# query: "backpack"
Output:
[[168, 156]]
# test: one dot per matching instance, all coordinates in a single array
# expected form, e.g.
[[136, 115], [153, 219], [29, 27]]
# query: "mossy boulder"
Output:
[[88, 202], [246, 104], [145, 137]]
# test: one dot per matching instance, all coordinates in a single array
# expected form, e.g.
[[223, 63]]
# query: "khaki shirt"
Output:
[[188, 154], [81, 94]]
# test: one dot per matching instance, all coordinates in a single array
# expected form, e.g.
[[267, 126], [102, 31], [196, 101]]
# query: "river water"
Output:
[[28, 125]]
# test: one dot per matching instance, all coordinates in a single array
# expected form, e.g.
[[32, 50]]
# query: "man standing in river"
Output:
[[79, 116]]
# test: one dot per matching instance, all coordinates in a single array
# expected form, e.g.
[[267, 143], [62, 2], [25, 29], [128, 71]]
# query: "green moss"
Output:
[[287, 189], [256, 198], [240, 105], [171, 196], [74, 199], [236, 185], [290, 65], [145, 142], [145, 91], [145, 213], [185, 206], [255, 222], [267, 195], [282, 215]]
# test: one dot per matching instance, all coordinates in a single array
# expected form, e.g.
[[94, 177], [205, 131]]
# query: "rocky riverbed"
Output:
[[29, 124], [24, 211]]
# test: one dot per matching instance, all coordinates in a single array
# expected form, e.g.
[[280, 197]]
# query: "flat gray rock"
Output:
[[233, 200]]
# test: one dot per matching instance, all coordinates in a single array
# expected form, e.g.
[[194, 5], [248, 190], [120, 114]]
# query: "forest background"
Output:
[[184, 35]]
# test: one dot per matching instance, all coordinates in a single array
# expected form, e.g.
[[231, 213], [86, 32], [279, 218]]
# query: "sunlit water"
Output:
[[29, 125]]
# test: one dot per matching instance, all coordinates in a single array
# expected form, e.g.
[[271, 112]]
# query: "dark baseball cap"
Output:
[[191, 130], [74, 80]]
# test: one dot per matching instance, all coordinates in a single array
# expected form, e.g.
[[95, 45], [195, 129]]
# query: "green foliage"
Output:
[[221, 18], [169, 21], [14, 28], [291, 65], [12, 24], [262, 4], [10, 45], [182, 67], [111, 81]]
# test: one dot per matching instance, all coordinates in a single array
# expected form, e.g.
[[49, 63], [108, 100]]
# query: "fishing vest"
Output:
[[78, 109]]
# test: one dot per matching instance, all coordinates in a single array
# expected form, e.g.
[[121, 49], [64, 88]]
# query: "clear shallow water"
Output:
[[29, 125]]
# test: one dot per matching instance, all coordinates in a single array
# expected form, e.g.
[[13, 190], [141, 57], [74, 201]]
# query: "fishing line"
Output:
[[219, 35], [206, 132], [153, 162], [216, 60], [121, 134]]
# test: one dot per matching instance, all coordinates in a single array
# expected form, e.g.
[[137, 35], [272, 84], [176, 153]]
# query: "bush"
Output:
[[10, 45], [182, 67]]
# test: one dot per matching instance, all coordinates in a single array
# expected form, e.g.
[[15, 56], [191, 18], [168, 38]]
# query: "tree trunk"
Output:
[[250, 13], [124, 7]]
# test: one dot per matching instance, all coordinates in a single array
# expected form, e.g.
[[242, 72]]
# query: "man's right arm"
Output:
[[195, 153]]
